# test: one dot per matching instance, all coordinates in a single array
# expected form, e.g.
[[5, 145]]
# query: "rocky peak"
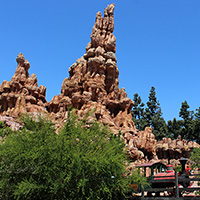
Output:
[[21, 73], [92, 87], [21, 94], [93, 80]]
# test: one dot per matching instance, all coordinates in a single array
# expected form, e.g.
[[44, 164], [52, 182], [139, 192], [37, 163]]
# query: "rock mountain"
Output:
[[92, 87]]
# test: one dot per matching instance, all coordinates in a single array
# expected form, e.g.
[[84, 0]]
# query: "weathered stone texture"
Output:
[[93, 81], [92, 87], [22, 94]]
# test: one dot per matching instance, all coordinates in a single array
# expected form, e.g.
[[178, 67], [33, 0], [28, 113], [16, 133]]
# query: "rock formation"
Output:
[[93, 81], [174, 149], [21, 94], [92, 87]]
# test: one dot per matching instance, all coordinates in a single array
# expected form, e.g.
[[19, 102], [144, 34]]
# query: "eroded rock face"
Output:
[[93, 81], [21, 94], [174, 149], [92, 87]]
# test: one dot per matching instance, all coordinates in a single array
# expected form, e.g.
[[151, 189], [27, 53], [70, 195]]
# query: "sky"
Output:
[[157, 44]]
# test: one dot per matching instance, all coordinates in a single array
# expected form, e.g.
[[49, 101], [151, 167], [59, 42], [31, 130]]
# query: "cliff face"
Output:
[[92, 87]]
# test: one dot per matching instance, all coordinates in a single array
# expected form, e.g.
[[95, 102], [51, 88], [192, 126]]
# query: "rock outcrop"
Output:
[[92, 88], [21, 94], [174, 149], [93, 81]]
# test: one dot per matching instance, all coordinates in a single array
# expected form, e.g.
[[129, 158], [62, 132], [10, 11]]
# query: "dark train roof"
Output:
[[150, 164]]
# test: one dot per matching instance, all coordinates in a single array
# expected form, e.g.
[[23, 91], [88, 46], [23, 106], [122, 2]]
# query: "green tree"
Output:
[[138, 113], [77, 163], [187, 131], [151, 116], [154, 117], [196, 130], [195, 156], [174, 128]]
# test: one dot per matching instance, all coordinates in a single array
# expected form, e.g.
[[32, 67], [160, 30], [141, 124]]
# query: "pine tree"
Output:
[[174, 128], [196, 130], [154, 117], [187, 123], [151, 116], [138, 113]]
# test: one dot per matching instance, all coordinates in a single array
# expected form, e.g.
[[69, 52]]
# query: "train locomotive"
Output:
[[163, 176]]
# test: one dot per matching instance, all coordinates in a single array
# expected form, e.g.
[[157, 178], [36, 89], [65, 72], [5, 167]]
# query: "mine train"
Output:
[[162, 176]]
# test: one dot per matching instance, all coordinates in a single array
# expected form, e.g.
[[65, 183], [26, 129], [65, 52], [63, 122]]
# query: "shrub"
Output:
[[78, 163]]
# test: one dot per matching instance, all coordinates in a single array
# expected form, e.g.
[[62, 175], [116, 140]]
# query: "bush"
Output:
[[78, 163], [195, 156], [4, 130]]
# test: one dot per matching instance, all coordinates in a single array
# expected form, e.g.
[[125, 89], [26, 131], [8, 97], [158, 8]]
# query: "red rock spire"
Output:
[[93, 81], [22, 94]]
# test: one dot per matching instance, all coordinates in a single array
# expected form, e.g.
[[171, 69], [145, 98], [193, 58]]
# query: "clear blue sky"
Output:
[[158, 44]]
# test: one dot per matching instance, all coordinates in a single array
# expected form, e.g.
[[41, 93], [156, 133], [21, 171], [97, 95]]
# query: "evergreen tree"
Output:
[[174, 128], [154, 117], [138, 113], [196, 130], [187, 131], [151, 116]]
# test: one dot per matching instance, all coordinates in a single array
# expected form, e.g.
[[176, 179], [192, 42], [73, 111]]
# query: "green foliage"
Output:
[[138, 178], [150, 116], [178, 168], [138, 113], [154, 116], [188, 127], [195, 156], [196, 126], [4, 130], [174, 128], [1, 125], [78, 163], [187, 122]]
